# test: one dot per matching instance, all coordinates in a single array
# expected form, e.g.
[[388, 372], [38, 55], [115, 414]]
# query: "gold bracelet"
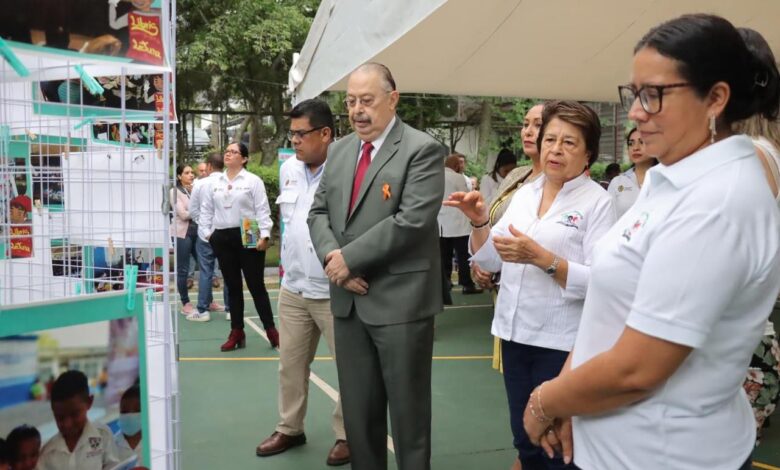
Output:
[[539, 402], [539, 417]]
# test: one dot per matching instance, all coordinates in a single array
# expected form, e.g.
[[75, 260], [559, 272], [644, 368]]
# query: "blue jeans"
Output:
[[185, 247], [206, 262], [525, 367]]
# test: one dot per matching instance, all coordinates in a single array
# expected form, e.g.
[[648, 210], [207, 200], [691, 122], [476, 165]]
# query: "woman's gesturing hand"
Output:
[[471, 204], [518, 248]]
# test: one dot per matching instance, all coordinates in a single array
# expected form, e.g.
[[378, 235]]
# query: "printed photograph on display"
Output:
[[66, 259], [136, 134], [47, 180], [143, 96], [42, 379], [107, 268], [127, 28], [20, 204], [150, 266]]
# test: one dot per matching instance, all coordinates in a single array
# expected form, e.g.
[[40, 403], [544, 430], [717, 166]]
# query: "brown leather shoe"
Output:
[[339, 454], [278, 443]]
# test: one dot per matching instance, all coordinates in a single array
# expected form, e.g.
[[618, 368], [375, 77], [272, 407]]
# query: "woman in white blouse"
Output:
[[542, 246], [681, 287], [763, 379], [624, 188], [237, 205]]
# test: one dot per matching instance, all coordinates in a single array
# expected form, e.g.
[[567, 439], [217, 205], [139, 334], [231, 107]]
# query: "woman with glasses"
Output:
[[236, 219], [542, 245], [680, 288], [625, 187]]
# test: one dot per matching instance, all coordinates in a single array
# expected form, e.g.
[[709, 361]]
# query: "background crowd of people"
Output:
[[626, 313]]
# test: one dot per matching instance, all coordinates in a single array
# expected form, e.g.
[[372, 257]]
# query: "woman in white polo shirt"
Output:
[[237, 198], [542, 247], [681, 287], [763, 379], [624, 188]]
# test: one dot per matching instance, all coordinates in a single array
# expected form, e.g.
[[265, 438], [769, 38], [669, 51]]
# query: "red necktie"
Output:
[[360, 173]]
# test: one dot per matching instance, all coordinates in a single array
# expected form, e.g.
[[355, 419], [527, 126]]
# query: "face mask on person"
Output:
[[130, 423]]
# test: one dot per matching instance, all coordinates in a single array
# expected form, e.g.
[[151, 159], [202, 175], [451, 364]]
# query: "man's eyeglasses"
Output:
[[366, 101], [301, 134], [650, 96]]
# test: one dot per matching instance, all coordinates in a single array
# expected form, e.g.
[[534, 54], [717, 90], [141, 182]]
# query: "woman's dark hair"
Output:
[[578, 115], [630, 133], [504, 157], [709, 49], [243, 149], [179, 171]]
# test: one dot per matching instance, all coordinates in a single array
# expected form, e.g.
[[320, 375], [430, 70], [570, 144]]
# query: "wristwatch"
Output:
[[553, 268]]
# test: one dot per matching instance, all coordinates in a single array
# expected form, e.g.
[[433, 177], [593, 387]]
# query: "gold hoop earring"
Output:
[[713, 129]]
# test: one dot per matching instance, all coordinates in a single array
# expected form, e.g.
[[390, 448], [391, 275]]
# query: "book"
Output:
[[250, 232]]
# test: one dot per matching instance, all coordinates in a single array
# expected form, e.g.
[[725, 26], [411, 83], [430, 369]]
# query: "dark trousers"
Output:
[[461, 247], [185, 248], [525, 367], [234, 260], [380, 366]]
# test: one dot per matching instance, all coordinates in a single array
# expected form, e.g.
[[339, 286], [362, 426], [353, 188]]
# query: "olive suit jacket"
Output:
[[391, 237]]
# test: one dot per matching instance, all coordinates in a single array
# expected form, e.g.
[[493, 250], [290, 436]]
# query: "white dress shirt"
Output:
[[377, 143], [624, 188], [303, 272], [95, 450], [531, 307], [696, 262], [228, 202], [199, 188], [452, 221]]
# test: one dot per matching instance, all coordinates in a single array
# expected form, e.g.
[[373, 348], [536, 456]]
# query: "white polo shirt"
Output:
[[123, 450], [303, 272], [228, 202], [531, 307], [695, 262], [95, 450], [624, 189]]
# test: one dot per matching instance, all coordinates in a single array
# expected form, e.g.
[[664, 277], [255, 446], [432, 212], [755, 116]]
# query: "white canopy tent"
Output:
[[530, 48]]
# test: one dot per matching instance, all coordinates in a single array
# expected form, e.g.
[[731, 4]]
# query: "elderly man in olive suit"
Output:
[[373, 225]]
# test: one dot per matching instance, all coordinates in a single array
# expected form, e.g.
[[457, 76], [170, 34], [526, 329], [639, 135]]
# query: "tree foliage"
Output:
[[237, 54]]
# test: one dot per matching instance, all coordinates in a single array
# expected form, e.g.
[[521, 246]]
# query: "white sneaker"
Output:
[[187, 309], [227, 316], [215, 307], [197, 316]]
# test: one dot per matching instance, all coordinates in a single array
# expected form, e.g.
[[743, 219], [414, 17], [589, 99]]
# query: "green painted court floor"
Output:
[[229, 400]]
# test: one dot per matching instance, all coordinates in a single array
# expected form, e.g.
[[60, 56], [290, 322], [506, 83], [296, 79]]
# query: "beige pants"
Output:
[[301, 322]]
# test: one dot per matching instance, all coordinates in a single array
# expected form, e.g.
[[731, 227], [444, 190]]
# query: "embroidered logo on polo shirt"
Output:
[[636, 226], [621, 188], [571, 219], [94, 443]]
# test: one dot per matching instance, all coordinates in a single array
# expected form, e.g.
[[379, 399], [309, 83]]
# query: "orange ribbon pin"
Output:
[[386, 191]]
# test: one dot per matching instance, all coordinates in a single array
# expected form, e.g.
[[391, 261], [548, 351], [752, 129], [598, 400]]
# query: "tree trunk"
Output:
[[254, 134], [238, 136]]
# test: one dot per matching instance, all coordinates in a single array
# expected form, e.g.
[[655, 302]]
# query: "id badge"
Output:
[[227, 202]]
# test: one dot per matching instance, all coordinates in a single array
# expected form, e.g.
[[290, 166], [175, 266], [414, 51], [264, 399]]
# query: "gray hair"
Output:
[[388, 82]]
